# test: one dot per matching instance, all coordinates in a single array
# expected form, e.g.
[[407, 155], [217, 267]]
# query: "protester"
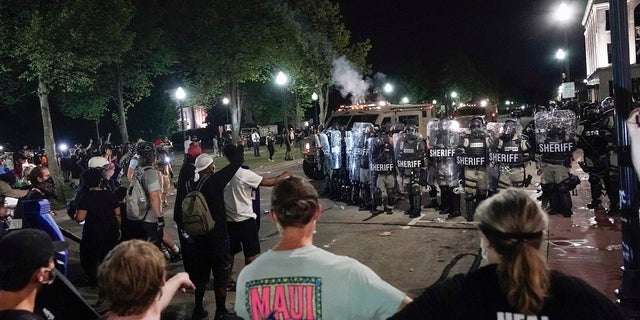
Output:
[[133, 281], [516, 283], [150, 227], [241, 219], [212, 248], [319, 284], [5, 217], [255, 142], [25, 268], [100, 212], [271, 140], [187, 143], [289, 139]]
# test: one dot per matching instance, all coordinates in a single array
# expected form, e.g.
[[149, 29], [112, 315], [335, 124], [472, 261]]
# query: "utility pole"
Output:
[[629, 291]]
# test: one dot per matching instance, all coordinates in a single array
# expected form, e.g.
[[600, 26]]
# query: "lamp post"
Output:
[[561, 55], [180, 95], [563, 15], [314, 97], [281, 80]]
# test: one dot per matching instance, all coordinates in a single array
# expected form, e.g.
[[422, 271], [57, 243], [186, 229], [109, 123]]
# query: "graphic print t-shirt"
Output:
[[311, 283]]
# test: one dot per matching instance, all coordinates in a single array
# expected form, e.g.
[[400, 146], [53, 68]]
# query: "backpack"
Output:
[[136, 200], [196, 217]]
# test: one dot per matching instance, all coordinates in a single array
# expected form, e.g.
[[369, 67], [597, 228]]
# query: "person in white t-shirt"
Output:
[[187, 143], [297, 280], [255, 140], [241, 220]]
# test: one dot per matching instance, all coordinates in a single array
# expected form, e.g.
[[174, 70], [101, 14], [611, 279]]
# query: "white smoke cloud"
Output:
[[349, 81]]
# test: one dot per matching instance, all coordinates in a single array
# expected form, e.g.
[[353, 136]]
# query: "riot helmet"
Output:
[[397, 127], [608, 103], [509, 129], [554, 130], [476, 124], [386, 127], [146, 149], [591, 112], [411, 129]]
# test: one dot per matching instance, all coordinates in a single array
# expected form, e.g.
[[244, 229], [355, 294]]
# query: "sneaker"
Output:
[[199, 313], [231, 287]]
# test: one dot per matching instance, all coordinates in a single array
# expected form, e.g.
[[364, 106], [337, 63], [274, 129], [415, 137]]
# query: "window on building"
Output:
[[607, 27], [635, 89], [609, 57]]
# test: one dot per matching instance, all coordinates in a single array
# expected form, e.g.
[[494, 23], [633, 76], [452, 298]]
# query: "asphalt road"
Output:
[[411, 254]]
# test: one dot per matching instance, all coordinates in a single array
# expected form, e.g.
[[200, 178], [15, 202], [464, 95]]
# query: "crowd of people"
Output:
[[123, 236]]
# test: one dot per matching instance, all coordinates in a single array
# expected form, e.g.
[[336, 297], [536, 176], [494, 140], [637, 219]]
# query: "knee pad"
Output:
[[414, 189]]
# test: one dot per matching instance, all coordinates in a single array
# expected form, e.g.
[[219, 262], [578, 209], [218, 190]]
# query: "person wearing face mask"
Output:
[[318, 283], [25, 269], [100, 212]]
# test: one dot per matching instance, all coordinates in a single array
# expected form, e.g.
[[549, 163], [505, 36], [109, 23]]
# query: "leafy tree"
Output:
[[60, 45]]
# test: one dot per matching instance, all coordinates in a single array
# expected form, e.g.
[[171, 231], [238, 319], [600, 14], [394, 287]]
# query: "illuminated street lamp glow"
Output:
[[561, 54], [563, 13], [508, 102], [281, 79], [434, 101], [388, 88], [454, 94], [484, 103], [405, 100], [180, 94], [225, 100], [314, 96], [63, 147]]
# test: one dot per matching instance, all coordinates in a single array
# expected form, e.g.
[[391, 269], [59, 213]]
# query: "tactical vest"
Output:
[[382, 159], [593, 138], [510, 154], [475, 154]]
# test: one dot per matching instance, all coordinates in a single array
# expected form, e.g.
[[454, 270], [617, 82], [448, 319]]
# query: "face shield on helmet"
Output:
[[509, 129], [591, 112], [476, 125], [411, 129], [608, 103]]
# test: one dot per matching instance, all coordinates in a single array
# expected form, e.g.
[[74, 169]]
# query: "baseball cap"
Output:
[[194, 150], [98, 162], [203, 161], [28, 250]]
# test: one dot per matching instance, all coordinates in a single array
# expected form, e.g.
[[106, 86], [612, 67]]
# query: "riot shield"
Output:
[[409, 152], [381, 154], [555, 131], [359, 136], [443, 140], [335, 140], [350, 164]]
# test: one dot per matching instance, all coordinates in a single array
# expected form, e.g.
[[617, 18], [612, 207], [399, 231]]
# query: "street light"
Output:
[[180, 95], [405, 100], [225, 101], [563, 15], [454, 94], [562, 55], [434, 101], [281, 80], [316, 105], [388, 88]]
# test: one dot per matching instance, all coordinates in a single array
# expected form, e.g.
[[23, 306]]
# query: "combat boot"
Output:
[[470, 205]]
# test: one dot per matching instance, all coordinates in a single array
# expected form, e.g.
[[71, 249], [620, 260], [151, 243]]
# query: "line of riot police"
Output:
[[374, 167]]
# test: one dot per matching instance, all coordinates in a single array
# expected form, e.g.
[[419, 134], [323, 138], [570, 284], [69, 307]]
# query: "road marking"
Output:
[[413, 222]]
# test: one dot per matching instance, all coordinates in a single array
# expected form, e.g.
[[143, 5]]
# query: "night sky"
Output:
[[514, 39]]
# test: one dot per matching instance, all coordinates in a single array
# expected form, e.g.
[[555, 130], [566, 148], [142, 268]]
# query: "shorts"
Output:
[[215, 259], [243, 236]]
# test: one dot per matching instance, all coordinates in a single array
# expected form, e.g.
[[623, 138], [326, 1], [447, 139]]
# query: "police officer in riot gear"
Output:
[[510, 153], [474, 161], [365, 174], [335, 142], [410, 153], [382, 167], [443, 140], [609, 125], [324, 151], [555, 143], [592, 141]]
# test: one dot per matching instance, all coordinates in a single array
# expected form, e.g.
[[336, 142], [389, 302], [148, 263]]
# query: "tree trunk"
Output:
[[236, 110], [124, 133], [323, 100], [49, 141]]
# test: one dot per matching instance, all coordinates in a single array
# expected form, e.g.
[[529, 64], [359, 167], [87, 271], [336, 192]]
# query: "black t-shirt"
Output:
[[19, 315], [100, 224], [477, 296]]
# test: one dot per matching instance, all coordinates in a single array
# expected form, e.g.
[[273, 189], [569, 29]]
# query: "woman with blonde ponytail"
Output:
[[516, 282]]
